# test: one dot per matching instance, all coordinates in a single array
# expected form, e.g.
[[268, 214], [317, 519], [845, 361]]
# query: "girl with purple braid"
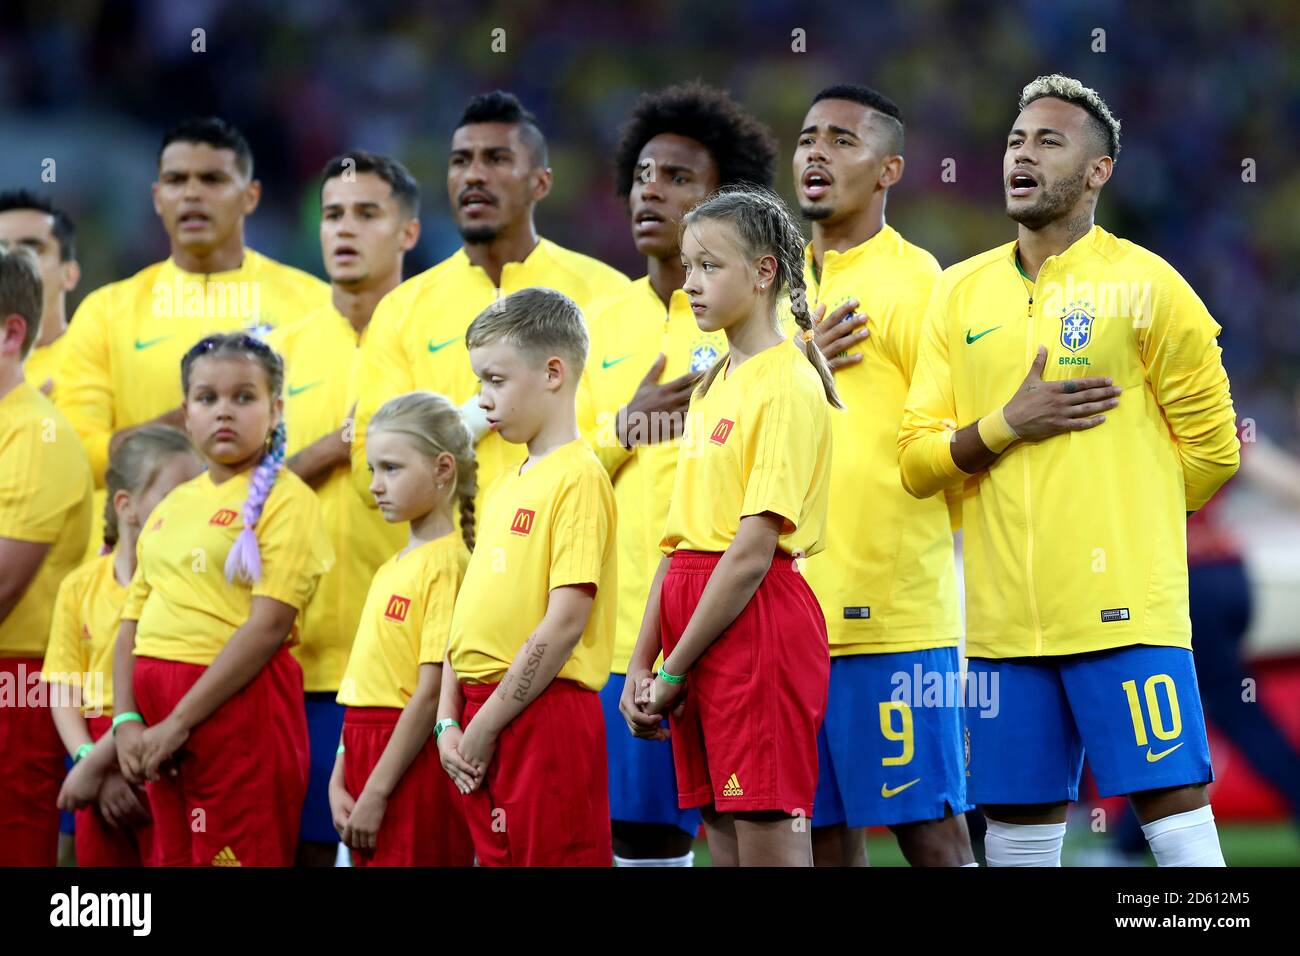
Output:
[[209, 701]]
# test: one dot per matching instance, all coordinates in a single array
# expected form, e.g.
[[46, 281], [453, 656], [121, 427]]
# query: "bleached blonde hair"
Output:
[[1067, 88]]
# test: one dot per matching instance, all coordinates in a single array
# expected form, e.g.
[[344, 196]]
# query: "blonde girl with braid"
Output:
[[112, 815], [746, 661], [391, 802]]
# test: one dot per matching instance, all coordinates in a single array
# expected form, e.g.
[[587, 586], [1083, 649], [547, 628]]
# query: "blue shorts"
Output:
[[324, 729], [1135, 711], [642, 781], [888, 751]]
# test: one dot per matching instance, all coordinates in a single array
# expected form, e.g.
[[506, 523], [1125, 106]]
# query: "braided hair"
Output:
[[244, 562], [764, 225], [435, 426]]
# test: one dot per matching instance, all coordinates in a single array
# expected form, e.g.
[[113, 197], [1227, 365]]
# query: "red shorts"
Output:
[[99, 843], [31, 770], [243, 772], [747, 738], [545, 801], [424, 824]]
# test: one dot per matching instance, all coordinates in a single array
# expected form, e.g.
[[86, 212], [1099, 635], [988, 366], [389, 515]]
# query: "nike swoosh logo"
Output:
[[140, 346], [1152, 758], [442, 345], [301, 388], [975, 338], [886, 791], [606, 363]]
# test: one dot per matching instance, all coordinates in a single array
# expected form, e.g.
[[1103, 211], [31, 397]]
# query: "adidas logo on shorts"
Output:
[[732, 787], [226, 858]]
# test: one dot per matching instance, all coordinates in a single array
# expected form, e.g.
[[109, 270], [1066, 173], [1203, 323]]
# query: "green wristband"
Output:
[[339, 752], [125, 718], [81, 752], [671, 678], [442, 725]]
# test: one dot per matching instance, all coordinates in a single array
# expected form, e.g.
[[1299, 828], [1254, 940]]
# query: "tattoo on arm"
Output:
[[530, 669]]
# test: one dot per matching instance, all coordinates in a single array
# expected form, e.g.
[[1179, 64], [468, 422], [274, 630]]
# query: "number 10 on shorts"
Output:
[[1153, 708]]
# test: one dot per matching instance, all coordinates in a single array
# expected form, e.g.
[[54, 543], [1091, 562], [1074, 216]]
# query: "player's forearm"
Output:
[[410, 735], [530, 673], [245, 654], [1211, 454], [74, 731], [933, 461], [451, 699], [604, 441], [72, 727], [731, 586], [315, 462], [649, 641], [124, 669]]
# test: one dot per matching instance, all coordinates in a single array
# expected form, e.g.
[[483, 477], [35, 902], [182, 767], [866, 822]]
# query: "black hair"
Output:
[[872, 99], [216, 133], [742, 148], [64, 229], [405, 188], [502, 107]]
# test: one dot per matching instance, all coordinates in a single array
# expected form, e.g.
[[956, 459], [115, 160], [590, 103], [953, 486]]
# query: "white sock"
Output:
[[687, 860], [964, 865], [1185, 839], [1023, 844]]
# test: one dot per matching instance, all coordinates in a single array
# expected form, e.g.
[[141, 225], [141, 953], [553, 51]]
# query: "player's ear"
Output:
[[122, 505], [154, 188], [14, 331], [410, 234], [252, 196], [891, 172], [70, 274], [556, 372], [766, 269], [1099, 171], [542, 179]]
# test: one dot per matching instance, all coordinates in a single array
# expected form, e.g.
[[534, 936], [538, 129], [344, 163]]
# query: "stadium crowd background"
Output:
[[1201, 87]]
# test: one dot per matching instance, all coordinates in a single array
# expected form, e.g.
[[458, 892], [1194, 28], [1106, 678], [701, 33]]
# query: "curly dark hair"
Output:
[[743, 148]]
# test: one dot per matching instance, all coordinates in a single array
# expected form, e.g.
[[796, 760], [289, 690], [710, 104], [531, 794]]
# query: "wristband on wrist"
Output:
[[339, 752], [81, 752], [442, 725], [996, 432], [124, 718], [671, 678]]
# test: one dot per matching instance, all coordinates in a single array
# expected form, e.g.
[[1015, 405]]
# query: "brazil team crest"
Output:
[[702, 357], [1076, 327]]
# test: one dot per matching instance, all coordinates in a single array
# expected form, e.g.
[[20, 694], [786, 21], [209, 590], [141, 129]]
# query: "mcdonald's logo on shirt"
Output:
[[721, 431], [224, 518], [523, 522], [397, 608]]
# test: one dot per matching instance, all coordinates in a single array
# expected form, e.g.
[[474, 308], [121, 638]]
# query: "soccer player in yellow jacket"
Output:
[[369, 210], [125, 343], [35, 223], [890, 754], [497, 173], [647, 355], [1076, 485]]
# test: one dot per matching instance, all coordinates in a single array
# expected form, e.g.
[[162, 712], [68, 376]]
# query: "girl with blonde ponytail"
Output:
[[391, 802], [740, 630]]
